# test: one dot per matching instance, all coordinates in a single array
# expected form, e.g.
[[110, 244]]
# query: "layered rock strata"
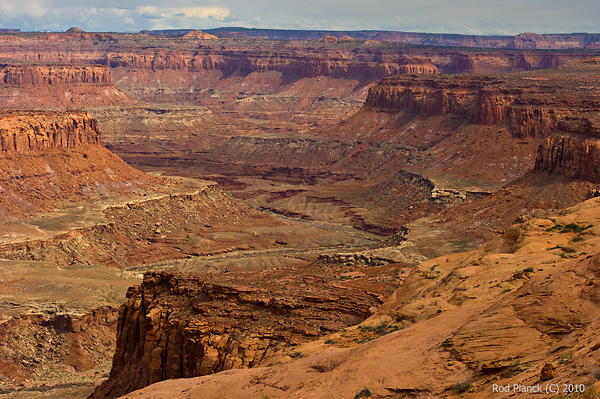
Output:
[[176, 326], [54, 74], [51, 157], [572, 155], [33, 342], [58, 86], [482, 100], [32, 131], [529, 106], [307, 59]]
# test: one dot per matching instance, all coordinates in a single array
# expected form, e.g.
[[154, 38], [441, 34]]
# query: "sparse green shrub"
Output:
[[528, 270], [577, 239], [565, 357], [574, 228], [515, 368], [382, 329], [569, 228], [462, 387]]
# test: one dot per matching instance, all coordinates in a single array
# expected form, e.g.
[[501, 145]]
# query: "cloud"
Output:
[[218, 13], [43, 15], [458, 16]]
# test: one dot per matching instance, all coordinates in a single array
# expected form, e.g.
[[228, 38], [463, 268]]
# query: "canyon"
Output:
[[310, 216]]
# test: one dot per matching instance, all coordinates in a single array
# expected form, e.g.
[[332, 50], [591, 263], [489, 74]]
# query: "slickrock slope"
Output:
[[524, 302], [177, 326]]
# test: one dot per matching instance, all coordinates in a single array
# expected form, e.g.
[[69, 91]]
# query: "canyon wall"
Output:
[[50, 157], [575, 156], [304, 59], [177, 326], [54, 74], [295, 62], [481, 100], [31, 131], [58, 86]]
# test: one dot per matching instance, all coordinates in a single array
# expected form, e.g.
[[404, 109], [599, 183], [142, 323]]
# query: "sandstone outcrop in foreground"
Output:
[[175, 326], [499, 315]]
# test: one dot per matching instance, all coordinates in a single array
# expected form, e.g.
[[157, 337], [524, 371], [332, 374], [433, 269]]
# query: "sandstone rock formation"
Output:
[[483, 100], [50, 157], [31, 131], [328, 39], [164, 53], [52, 75], [33, 86], [175, 326], [198, 34], [35, 342]]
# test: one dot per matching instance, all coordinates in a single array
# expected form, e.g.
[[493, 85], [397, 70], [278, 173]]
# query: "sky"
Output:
[[480, 17]]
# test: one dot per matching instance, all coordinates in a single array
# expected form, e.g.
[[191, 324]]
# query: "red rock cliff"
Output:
[[39, 75], [559, 108], [305, 59], [29, 131], [572, 154], [175, 326], [526, 106]]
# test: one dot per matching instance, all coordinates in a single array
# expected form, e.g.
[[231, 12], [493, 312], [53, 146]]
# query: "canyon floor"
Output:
[[296, 218]]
